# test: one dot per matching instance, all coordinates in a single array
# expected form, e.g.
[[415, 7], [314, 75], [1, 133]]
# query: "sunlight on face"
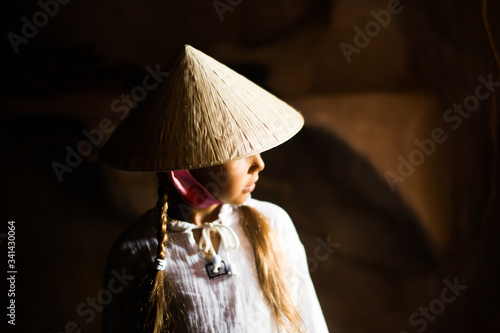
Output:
[[231, 182]]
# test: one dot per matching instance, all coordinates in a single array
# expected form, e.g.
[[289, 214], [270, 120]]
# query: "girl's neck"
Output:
[[179, 210], [199, 216]]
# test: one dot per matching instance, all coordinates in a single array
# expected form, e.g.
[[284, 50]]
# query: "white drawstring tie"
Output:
[[229, 241]]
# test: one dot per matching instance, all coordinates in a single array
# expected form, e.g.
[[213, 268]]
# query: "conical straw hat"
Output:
[[203, 114]]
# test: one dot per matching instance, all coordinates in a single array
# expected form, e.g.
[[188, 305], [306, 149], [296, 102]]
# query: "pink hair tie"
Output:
[[191, 191]]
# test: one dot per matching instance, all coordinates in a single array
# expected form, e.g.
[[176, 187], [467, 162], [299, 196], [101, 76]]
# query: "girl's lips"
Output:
[[249, 188]]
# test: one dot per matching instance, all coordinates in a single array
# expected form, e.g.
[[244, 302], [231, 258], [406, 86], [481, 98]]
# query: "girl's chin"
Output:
[[240, 200]]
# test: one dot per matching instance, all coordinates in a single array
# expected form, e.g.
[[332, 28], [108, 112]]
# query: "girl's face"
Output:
[[231, 182]]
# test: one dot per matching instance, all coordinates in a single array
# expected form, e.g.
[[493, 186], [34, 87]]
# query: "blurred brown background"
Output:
[[392, 250]]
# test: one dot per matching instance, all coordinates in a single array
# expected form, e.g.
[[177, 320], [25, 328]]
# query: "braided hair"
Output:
[[158, 310]]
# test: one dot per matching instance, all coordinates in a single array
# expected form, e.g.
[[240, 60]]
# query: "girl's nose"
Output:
[[258, 163]]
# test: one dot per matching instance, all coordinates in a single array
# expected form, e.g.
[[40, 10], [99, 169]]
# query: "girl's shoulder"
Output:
[[270, 210], [129, 261], [278, 218], [136, 245]]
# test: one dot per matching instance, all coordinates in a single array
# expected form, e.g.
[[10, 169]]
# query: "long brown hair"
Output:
[[159, 310]]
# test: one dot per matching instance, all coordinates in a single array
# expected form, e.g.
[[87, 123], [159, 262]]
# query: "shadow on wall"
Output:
[[365, 246]]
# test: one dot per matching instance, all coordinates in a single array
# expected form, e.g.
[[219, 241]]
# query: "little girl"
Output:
[[208, 258]]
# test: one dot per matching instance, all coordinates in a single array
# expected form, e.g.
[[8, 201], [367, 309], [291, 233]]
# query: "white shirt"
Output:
[[224, 304]]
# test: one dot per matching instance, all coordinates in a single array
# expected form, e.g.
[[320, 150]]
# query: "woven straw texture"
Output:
[[203, 114]]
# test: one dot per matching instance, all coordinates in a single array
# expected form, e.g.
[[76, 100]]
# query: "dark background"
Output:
[[393, 250]]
